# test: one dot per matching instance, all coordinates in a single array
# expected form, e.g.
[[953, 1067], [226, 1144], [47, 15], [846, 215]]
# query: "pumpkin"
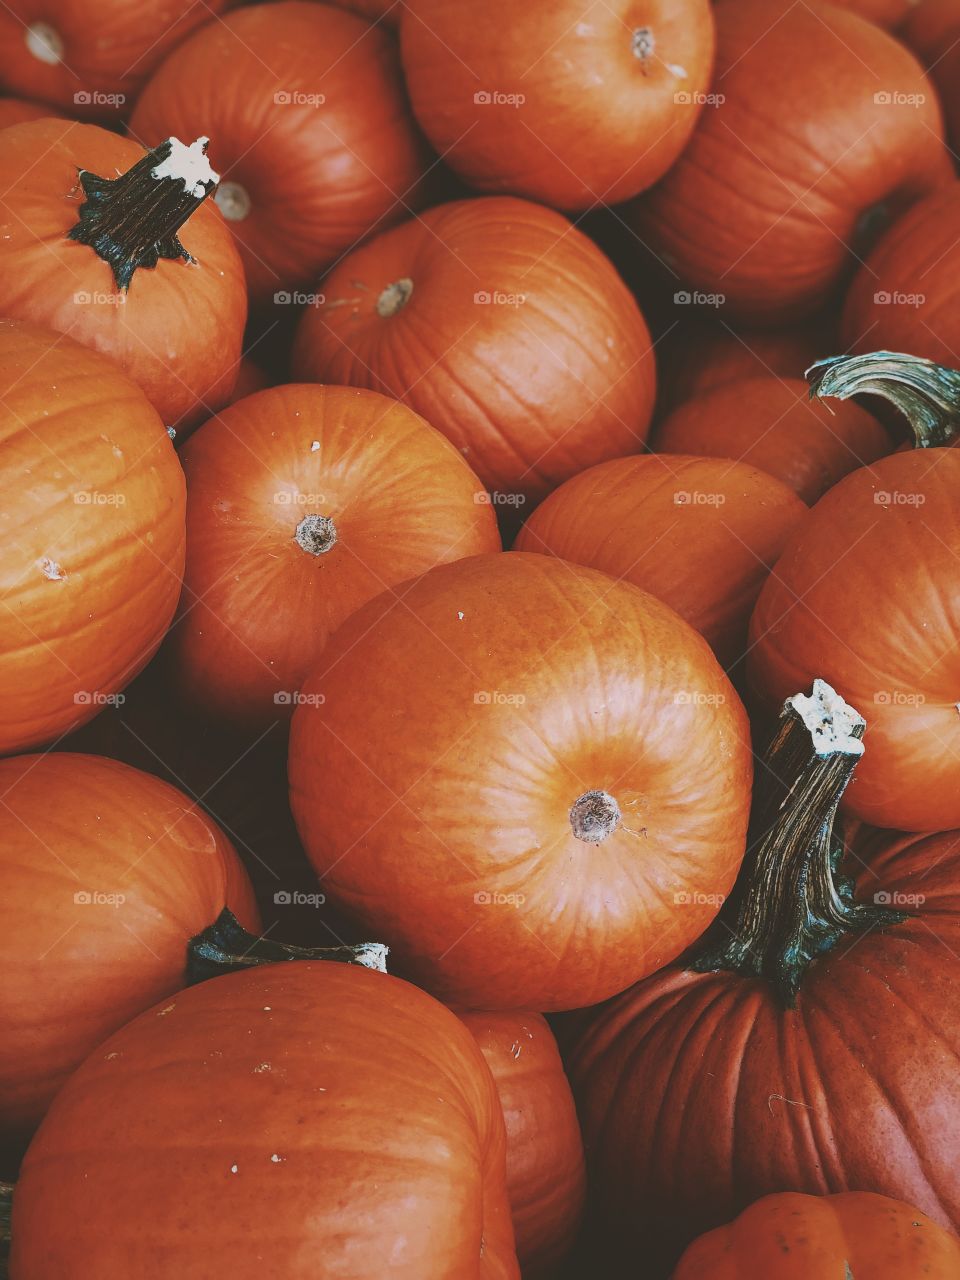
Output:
[[906, 296], [763, 206], [533, 779], [810, 1043], [251, 377], [931, 28], [335, 495], [545, 1174], [700, 534], [886, 13], [386, 11], [770, 423], [536, 100], [309, 125], [72, 258], [798, 1237], [505, 327], [338, 1122], [108, 874], [91, 533], [18, 111]]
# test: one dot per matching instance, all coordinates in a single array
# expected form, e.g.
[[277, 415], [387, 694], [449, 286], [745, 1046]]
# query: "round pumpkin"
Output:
[[772, 424], [533, 779], [336, 495], [545, 1173], [864, 596], [337, 1121], [547, 101], [505, 327], [931, 28], [175, 326], [824, 117], [796, 1237], [91, 531], [309, 125], [700, 534], [108, 873], [19, 111]]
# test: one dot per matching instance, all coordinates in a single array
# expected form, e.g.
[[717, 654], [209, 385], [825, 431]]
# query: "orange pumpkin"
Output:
[[19, 111]]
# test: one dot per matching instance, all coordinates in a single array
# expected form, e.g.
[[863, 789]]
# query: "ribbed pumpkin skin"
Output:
[[179, 332], [338, 1122], [798, 1237], [772, 424], [864, 596], [762, 204], [857, 1088], [545, 1173], [433, 786], [700, 534], [91, 533], [77, 968], [320, 175], [400, 495], [531, 393], [597, 120], [917, 262]]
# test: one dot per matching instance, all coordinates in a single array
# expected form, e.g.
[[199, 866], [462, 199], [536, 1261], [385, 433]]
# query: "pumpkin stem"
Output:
[[316, 534], [789, 904], [394, 297], [226, 946], [594, 816], [132, 221], [927, 394]]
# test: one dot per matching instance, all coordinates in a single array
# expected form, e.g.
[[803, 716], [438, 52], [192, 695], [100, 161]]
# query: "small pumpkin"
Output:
[[505, 327], [169, 310], [91, 533], [336, 495], [309, 125], [797, 1237], [337, 1120], [530, 780], [700, 534]]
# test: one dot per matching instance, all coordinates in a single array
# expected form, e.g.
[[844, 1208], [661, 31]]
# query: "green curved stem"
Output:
[[927, 394]]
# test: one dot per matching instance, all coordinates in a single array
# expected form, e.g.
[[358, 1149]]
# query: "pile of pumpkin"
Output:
[[479, 540]]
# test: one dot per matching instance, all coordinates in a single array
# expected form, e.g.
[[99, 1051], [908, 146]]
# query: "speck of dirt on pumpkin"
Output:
[[169, 1009]]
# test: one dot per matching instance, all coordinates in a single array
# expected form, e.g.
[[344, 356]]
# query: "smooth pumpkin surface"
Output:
[[856, 1087], [176, 332], [400, 499], [864, 596], [463, 736], [549, 100], [772, 424], [337, 1121], [505, 327], [545, 1173], [307, 116], [763, 204], [108, 874], [19, 111], [700, 534], [798, 1237], [91, 531], [930, 28]]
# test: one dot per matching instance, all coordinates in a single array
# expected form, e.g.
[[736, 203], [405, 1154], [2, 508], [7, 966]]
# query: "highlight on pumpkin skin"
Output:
[[926, 393]]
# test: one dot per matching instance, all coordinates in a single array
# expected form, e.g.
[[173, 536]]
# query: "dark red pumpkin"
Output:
[[91, 533], [533, 779], [763, 205], [19, 111], [700, 534], [336, 1121], [335, 495], [931, 28], [309, 125], [505, 327]]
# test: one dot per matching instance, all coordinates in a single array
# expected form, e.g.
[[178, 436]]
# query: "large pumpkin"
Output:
[[334, 495], [545, 1174], [309, 125], [810, 1045], [532, 778], [701, 534], [549, 101], [823, 117], [772, 424], [505, 327], [73, 258], [91, 533], [301, 1120], [797, 1237]]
